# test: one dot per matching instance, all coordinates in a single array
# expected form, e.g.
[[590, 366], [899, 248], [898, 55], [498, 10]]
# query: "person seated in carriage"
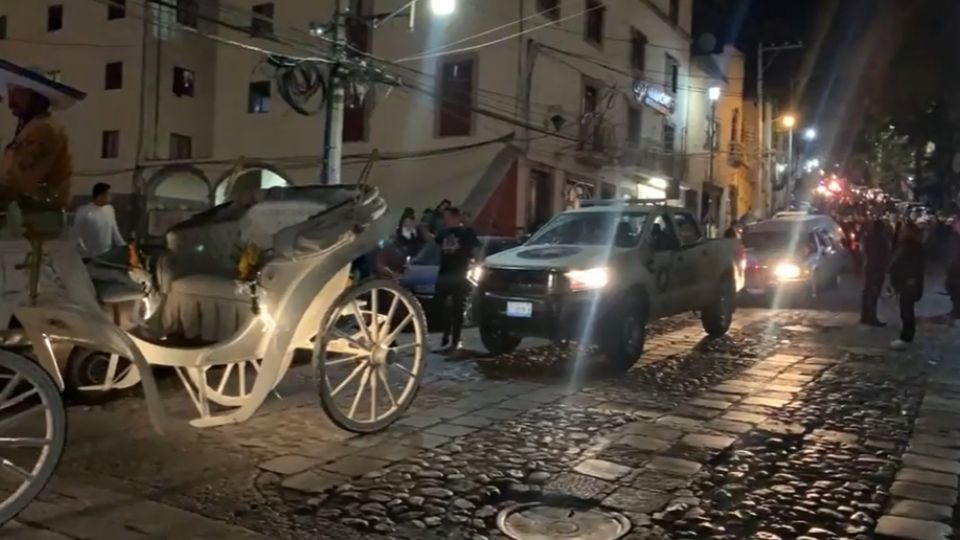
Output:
[[36, 167]]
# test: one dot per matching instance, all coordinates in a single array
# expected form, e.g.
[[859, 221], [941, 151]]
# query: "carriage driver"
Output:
[[37, 164]]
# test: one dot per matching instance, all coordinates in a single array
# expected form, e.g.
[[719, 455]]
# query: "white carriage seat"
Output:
[[203, 298]]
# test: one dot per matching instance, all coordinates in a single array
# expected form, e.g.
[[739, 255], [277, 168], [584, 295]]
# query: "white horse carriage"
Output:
[[238, 291]]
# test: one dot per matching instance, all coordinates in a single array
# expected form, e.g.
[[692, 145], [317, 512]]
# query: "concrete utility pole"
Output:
[[762, 142], [336, 100]]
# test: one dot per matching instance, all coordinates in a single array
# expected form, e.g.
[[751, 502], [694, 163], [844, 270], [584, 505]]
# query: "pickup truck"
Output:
[[599, 274]]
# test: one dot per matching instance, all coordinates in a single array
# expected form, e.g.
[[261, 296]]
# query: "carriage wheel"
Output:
[[231, 384], [94, 377], [368, 368], [33, 430]]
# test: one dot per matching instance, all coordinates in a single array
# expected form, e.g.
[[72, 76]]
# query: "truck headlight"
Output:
[[475, 274], [787, 270], [587, 280]]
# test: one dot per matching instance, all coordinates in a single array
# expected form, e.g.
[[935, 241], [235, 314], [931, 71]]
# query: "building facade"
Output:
[[514, 110]]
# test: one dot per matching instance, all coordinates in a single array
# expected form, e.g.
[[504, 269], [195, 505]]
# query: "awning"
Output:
[[60, 95]]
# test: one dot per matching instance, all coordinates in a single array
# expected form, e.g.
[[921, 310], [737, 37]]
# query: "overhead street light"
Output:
[[713, 93], [789, 121], [810, 134], [442, 8]]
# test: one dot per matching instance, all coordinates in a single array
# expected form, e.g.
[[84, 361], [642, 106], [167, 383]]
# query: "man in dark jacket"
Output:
[[876, 255], [953, 268], [906, 276]]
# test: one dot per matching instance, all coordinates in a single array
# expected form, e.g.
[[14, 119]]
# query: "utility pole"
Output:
[[764, 157], [336, 100]]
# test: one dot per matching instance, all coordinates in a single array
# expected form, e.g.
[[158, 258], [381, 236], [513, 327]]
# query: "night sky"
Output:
[[861, 58]]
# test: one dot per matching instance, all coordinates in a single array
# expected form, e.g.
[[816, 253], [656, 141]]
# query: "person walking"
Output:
[[906, 276], [953, 269], [458, 248], [95, 225], [876, 255], [408, 236]]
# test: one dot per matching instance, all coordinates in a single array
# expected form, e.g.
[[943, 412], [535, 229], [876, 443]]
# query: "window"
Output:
[[687, 229], [675, 11], [258, 97], [261, 23], [183, 82], [592, 229], [113, 76], [358, 29], [549, 8], [634, 125], [54, 18], [110, 144], [117, 9], [669, 133], [673, 74], [188, 12], [638, 50], [663, 238], [3, 27], [594, 22], [181, 146], [456, 97], [735, 126], [591, 98], [355, 118]]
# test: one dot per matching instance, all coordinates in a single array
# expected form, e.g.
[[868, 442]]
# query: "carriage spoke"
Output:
[[111, 375], [11, 469], [23, 442], [19, 399], [373, 394], [390, 313], [374, 314], [10, 387], [339, 361], [386, 387], [349, 339], [403, 368], [396, 331], [224, 378], [256, 365], [358, 315], [356, 371], [243, 379], [12, 420], [356, 398], [411, 345]]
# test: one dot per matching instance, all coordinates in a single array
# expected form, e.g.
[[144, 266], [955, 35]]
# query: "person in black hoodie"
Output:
[[906, 276], [876, 255]]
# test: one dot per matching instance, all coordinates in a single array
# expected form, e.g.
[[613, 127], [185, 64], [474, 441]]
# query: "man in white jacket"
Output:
[[95, 224]]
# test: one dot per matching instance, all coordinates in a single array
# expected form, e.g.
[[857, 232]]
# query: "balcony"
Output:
[[598, 144], [650, 154]]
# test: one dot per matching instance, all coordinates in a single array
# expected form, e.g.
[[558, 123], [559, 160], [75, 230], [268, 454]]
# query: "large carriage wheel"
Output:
[[94, 377], [33, 430], [368, 368]]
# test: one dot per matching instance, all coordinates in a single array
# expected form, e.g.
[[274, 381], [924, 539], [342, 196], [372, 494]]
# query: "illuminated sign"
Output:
[[653, 97]]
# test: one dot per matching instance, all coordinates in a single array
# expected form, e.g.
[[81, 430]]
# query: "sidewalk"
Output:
[[70, 510]]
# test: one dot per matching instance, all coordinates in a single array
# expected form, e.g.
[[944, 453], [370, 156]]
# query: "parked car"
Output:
[[795, 252], [421, 273], [599, 274]]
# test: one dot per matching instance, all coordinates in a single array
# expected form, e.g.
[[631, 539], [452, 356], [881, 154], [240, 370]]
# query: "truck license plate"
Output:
[[520, 309]]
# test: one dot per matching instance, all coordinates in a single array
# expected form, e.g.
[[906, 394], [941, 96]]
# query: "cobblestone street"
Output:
[[798, 424]]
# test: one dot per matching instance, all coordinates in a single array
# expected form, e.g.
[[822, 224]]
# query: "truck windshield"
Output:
[[621, 229], [777, 241]]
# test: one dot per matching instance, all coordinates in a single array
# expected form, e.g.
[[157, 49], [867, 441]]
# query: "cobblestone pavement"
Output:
[[798, 424]]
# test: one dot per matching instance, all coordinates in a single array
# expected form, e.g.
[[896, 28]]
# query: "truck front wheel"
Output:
[[497, 340], [624, 336], [718, 316]]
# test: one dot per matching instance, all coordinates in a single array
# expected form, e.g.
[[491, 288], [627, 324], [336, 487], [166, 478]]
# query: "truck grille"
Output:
[[513, 281]]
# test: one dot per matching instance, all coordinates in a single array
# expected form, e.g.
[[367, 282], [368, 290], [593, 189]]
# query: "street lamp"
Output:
[[713, 93], [810, 134], [442, 8], [789, 121]]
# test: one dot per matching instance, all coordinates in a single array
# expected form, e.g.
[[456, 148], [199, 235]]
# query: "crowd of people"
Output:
[[451, 230], [893, 249]]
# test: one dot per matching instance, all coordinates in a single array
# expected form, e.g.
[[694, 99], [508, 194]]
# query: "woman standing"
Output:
[[906, 276]]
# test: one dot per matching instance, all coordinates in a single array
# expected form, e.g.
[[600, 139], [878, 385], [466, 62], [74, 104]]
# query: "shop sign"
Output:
[[653, 97]]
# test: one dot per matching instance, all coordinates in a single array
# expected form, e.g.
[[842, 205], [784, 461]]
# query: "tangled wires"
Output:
[[299, 83]]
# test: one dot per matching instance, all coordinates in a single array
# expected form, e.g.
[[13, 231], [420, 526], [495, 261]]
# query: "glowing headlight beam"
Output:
[[786, 270], [591, 279]]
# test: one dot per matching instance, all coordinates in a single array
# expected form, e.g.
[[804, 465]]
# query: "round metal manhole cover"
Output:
[[535, 521]]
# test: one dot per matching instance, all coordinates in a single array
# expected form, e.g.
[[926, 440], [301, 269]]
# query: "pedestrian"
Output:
[[408, 236], [458, 248], [95, 225], [37, 165], [953, 269], [906, 276], [438, 216], [876, 255]]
